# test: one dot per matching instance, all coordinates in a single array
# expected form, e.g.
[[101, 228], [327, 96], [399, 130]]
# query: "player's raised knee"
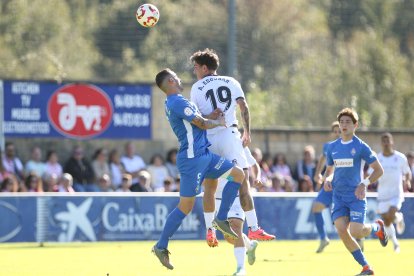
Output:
[[237, 174]]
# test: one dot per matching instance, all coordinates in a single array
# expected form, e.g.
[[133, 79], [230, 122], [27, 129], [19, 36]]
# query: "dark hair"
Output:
[[162, 75], [348, 112], [207, 57], [97, 153], [155, 156], [49, 154], [170, 154], [386, 134]]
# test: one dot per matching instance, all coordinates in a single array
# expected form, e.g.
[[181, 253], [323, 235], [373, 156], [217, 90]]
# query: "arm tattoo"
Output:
[[204, 123], [245, 115]]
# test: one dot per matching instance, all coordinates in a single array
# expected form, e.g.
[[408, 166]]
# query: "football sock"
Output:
[[229, 195], [320, 225], [251, 219], [398, 217], [391, 233], [359, 257], [240, 253], [208, 218], [174, 220], [246, 242]]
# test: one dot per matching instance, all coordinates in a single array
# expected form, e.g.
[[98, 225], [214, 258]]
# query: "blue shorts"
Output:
[[194, 170], [324, 197], [349, 206]]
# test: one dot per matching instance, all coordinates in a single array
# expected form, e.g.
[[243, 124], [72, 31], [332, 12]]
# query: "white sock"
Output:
[[208, 218], [391, 233], [398, 217], [240, 253], [251, 219], [246, 242]]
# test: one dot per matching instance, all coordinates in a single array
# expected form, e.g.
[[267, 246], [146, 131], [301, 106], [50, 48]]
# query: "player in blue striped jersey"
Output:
[[348, 156], [194, 162]]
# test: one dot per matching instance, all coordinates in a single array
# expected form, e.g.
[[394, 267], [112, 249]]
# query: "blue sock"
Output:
[[359, 257], [174, 221], [320, 225], [227, 199]]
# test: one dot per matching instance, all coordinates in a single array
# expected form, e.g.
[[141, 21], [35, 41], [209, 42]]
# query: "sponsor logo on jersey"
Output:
[[80, 110], [344, 163]]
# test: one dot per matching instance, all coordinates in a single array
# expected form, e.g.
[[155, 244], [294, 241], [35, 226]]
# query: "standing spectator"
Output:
[[52, 164], [116, 168], [307, 165], [100, 164], [9, 185], [280, 166], [410, 159], [12, 163], [81, 170], [158, 171], [33, 183], [171, 163], [126, 183], [35, 164], [66, 184], [132, 163]]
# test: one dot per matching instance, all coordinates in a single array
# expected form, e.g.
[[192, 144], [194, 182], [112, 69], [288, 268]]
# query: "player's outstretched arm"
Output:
[[204, 123]]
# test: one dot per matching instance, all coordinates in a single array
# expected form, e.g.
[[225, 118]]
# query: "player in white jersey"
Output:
[[390, 187], [215, 95]]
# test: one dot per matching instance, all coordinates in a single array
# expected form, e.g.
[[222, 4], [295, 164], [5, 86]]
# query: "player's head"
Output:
[[168, 81], [335, 130], [205, 62], [348, 121], [387, 141]]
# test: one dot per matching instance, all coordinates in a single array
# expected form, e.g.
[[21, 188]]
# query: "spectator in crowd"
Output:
[[116, 169], [177, 182], [100, 164], [50, 183], [133, 163], [265, 171], [66, 184], [33, 183], [104, 183], [11, 163], [410, 159], [52, 164], [280, 166], [307, 165], [171, 163], [9, 185], [158, 171], [126, 183], [305, 184], [3, 173], [278, 183], [289, 184], [169, 184], [81, 170], [143, 184], [35, 164]]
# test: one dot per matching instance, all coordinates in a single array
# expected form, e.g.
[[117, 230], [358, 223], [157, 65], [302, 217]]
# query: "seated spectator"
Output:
[[35, 164], [104, 183], [280, 166], [289, 184], [177, 182], [33, 183], [410, 158], [171, 163], [307, 165], [158, 171], [12, 163], [52, 164], [168, 184], [81, 171], [125, 184], [278, 183], [116, 168], [305, 184], [265, 171], [132, 162], [9, 185], [66, 184], [144, 183], [3, 173], [100, 164], [50, 183]]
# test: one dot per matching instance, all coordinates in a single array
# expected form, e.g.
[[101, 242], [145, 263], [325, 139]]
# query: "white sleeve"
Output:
[[238, 91], [193, 94], [405, 167]]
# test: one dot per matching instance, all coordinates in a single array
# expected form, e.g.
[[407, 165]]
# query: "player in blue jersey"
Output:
[[324, 199], [348, 156], [194, 162]]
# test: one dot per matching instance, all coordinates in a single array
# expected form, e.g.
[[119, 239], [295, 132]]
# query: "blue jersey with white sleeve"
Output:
[[180, 112], [349, 159]]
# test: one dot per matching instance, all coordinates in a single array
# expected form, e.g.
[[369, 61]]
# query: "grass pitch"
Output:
[[196, 258]]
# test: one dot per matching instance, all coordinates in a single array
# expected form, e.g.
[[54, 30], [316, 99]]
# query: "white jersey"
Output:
[[390, 185], [213, 92]]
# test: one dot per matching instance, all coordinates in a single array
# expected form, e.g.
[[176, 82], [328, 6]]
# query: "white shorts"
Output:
[[236, 211], [385, 205], [228, 144]]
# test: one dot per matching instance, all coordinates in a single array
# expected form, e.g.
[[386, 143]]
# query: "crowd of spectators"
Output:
[[109, 171]]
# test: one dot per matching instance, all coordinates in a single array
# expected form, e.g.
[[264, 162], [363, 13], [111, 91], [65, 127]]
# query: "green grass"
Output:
[[196, 258]]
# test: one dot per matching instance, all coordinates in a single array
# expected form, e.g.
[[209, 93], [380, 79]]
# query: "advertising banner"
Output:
[[76, 110]]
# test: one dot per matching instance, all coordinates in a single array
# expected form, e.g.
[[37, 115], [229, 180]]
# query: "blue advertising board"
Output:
[[114, 217], [76, 110]]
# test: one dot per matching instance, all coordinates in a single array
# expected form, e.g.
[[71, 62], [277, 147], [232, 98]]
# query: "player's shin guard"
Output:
[[174, 221], [229, 195], [359, 257]]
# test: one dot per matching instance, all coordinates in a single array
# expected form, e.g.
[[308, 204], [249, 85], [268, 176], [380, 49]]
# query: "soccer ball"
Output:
[[147, 15]]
